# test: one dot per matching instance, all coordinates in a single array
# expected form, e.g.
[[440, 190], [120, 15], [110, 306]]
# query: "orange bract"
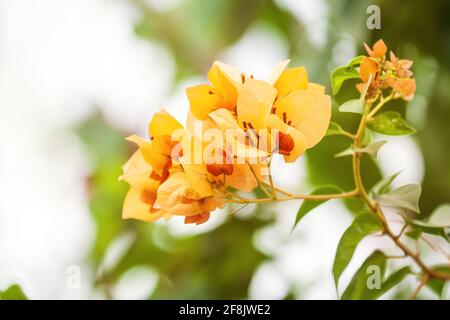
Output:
[[378, 50], [392, 74]]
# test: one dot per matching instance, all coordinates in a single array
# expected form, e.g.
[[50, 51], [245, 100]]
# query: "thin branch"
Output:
[[310, 197], [380, 105], [401, 231], [422, 283], [261, 185], [274, 194], [239, 209], [375, 207], [278, 189]]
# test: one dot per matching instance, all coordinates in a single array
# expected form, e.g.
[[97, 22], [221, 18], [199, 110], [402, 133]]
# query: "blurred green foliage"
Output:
[[220, 263], [13, 292]]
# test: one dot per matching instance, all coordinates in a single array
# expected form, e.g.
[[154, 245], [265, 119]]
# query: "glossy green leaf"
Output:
[[406, 197], [347, 152], [353, 106], [334, 129], [437, 285], [14, 292], [390, 123], [440, 217], [438, 223], [340, 74], [362, 226], [414, 234], [308, 205], [384, 185], [371, 149], [361, 286], [394, 278], [355, 61]]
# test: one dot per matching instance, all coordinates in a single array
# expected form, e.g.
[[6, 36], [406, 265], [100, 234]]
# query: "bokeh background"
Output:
[[77, 76]]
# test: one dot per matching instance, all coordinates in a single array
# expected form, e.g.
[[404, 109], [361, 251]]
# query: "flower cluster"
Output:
[[236, 123], [393, 74]]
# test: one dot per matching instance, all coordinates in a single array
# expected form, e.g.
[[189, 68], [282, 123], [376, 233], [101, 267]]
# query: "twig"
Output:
[[375, 207], [422, 283], [318, 197]]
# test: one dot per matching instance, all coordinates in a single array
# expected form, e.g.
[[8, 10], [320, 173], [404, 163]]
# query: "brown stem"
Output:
[[422, 283], [311, 197], [375, 207]]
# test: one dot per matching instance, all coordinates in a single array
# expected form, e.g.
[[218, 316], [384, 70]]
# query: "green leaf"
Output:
[[362, 226], [355, 61], [384, 184], [437, 285], [371, 149], [406, 197], [340, 74], [309, 205], [334, 129], [414, 234], [440, 217], [358, 288], [353, 106], [438, 223], [347, 152], [13, 292], [390, 123], [394, 278]]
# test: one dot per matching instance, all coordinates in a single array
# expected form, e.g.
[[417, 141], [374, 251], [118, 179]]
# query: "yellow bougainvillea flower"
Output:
[[290, 79], [163, 124], [287, 80], [307, 112], [237, 166], [140, 199], [158, 151], [163, 185], [172, 174], [184, 194], [222, 93], [301, 112], [256, 108], [239, 142], [254, 104]]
